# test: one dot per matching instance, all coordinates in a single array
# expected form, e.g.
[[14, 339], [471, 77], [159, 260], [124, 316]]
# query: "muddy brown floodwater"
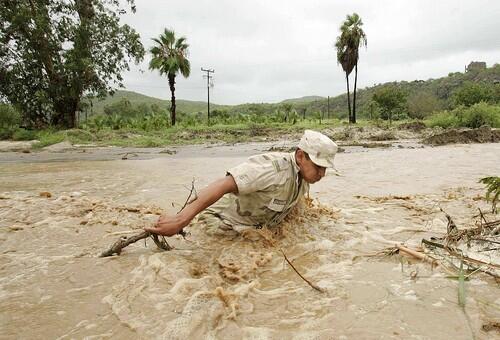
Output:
[[58, 214]]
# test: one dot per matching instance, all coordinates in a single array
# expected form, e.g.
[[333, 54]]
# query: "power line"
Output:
[[208, 77]]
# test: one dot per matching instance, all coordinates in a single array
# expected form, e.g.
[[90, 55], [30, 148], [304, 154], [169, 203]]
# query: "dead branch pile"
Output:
[[477, 248]]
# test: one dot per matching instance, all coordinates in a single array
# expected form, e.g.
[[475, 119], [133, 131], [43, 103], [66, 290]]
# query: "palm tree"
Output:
[[351, 37], [170, 57]]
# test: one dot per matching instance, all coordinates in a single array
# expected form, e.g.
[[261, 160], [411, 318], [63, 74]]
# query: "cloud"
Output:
[[267, 51]]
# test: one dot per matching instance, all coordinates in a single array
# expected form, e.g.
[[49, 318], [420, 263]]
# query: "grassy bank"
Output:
[[339, 130], [197, 134], [178, 135]]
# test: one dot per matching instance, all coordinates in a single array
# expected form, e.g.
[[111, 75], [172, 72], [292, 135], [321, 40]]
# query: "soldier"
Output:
[[259, 192]]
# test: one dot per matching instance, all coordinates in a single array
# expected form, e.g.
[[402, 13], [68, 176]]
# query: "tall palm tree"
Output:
[[351, 37], [170, 57]]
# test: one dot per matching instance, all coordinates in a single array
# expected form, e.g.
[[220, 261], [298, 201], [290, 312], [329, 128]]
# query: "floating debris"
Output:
[[468, 250]]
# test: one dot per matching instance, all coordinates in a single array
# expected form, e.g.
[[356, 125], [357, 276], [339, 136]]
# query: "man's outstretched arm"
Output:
[[169, 225]]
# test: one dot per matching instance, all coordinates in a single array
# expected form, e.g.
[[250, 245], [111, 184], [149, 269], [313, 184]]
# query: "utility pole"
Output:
[[328, 107], [208, 76]]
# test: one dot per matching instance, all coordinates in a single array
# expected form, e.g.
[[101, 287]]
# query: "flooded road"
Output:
[[56, 216]]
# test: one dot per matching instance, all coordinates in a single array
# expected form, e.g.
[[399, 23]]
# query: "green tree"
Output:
[[390, 100], [52, 52], [351, 37], [170, 58], [422, 104], [287, 109], [472, 93], [123, 107]]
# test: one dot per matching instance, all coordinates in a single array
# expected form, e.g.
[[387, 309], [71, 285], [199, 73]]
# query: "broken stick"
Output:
[[124, 241], [416, 254], [299, 274]]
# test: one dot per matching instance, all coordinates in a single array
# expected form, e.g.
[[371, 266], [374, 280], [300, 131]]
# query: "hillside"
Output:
[[186, 106], [440, 90], [301, 100]]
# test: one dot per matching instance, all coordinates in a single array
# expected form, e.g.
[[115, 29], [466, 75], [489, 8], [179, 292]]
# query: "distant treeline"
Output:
[[390, 101], [461, 99]]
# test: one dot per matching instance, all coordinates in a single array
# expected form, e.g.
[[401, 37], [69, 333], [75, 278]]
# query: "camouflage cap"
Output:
[[319, 147]]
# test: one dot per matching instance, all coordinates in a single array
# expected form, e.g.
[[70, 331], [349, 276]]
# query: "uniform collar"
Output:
[[294, 161], [295, 166]]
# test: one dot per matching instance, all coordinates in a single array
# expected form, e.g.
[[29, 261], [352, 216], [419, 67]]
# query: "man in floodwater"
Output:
[[259, 192]]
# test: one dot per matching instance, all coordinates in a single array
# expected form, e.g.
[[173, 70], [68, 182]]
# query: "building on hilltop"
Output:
[[475, 66]]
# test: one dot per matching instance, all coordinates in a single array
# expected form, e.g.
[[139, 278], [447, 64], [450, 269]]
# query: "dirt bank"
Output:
[[484, 134]]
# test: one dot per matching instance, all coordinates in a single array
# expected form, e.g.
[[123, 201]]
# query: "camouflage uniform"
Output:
[[269, 186]]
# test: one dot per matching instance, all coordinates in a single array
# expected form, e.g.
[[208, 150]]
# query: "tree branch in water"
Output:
[[124, 241]]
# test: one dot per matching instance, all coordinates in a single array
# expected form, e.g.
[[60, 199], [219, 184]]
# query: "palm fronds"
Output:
[[492, 191]]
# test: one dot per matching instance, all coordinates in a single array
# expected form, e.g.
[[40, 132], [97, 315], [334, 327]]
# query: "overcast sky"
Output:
[[269, 50]]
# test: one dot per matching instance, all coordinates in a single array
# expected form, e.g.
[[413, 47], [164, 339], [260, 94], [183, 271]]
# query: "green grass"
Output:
[[48, 137], [202, 133], [179, 134]]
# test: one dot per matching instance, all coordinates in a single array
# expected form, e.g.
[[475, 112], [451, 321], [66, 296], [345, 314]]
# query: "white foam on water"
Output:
[[410, 295]]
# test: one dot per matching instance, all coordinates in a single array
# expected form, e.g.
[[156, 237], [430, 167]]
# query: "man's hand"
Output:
[[168, 225]]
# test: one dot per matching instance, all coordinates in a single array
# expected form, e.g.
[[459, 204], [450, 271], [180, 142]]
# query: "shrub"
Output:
[[5, 134], [9, 121], [23, 134], [472, 117], [95, 123], [9, 117], [482, 114], [444, 119]]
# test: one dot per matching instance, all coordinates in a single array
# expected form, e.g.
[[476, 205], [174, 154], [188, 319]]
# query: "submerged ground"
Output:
[[60, 209]]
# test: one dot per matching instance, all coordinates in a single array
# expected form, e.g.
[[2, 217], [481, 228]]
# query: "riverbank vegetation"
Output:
[[59, 80], [135, 120]]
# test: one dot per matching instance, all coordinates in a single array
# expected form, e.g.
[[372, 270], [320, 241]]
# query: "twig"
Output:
[[418, 255], [482, 216], [124, 241], [188, 201], [299, 274]]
